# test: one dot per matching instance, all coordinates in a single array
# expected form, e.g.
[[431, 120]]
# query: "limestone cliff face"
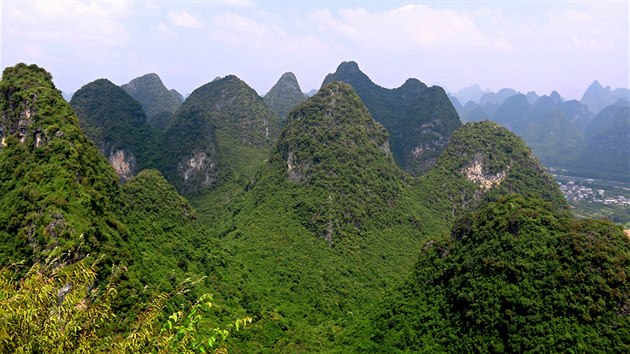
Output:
[[21, 123], [491, 161], [123, 163], [477, 172], [116, 123], [198, 171]]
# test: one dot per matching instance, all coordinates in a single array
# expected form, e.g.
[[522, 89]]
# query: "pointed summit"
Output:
[[420, 120], [532, 97], [223, 130], [334, 152], [285, 95], [116, 123], [54, 185], [555, 96], [596, 97], [158, 102]]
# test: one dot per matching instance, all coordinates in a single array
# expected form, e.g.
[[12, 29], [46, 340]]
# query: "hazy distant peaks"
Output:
[[470, 93], [285, 95], [158, 102], [597, 97], [555, 96], [532, 97]]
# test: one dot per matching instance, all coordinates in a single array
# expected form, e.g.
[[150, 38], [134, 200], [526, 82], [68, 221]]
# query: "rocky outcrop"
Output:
[[123, 163], [477, 173], [116, 123]]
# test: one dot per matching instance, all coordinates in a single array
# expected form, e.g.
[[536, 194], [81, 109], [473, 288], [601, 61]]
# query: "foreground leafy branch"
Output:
[[57, 308]]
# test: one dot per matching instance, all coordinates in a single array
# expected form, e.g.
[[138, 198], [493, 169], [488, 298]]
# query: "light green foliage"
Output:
[[303, 238], [53, 309], [166, 242], [58, 309], [314, 249]]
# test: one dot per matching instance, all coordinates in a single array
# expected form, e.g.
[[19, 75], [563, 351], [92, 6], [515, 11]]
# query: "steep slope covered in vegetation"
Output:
[[116, 123], [482, 162], [419, 119], [55, 187], [223, 131], [326, 226]]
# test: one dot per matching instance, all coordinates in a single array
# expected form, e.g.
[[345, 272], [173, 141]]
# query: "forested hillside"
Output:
[[307, 228]]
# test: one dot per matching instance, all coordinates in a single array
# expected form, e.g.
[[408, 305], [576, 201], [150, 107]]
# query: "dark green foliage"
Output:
[[333, 147], [158, 102], [420, 120], [285, 95], [117, 125], [222, 131], [55, 187], [516, 276]]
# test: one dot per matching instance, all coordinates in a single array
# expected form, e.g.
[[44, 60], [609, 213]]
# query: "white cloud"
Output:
[[406, 28], [185, 19], [457, 44], [80, 23], [166, 30]]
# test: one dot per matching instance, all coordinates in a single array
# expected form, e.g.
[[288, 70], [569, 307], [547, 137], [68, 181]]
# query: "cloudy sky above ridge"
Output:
[[526, 45]]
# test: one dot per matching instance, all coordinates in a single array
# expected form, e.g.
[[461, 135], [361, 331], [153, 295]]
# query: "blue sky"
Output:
[[526, 45]]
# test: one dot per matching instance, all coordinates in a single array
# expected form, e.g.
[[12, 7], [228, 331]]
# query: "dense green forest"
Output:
[[257, 234]]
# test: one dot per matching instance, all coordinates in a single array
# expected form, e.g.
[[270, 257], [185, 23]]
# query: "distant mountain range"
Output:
[[558, 131]]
